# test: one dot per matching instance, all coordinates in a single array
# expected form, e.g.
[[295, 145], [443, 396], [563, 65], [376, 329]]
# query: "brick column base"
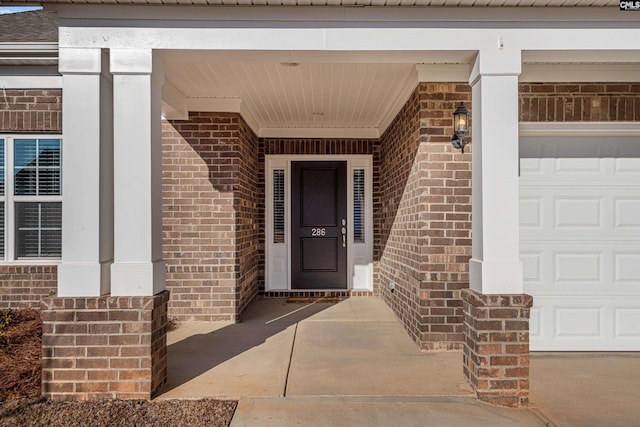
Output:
[[496, 348], [104, 347]]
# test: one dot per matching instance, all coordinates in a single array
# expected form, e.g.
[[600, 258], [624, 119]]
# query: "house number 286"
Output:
[[318, 232]]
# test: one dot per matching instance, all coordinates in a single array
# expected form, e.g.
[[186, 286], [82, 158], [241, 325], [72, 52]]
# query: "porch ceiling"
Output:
[[282, 97], [299, 94]]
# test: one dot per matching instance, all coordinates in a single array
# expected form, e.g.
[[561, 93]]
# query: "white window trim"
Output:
[[363, 273], [10, 200]]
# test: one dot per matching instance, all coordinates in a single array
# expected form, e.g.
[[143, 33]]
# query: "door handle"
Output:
[[344, 236]]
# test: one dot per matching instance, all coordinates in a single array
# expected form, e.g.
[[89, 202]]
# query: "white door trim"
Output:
[[359, 256]]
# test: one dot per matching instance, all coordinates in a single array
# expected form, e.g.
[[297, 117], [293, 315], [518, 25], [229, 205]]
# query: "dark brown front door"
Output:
[[318, 225]]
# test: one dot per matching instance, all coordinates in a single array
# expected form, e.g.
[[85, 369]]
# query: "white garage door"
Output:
[[580, 241]]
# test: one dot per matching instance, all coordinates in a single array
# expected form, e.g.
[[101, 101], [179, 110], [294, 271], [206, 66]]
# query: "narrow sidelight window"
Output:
[[278, 206], [358, 206]]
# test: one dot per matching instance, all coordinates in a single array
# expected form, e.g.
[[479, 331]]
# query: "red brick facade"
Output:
[[31, 110], [104, 347], [579, 102], [25, 285], [423, 216], [210, 222], [496, 350]]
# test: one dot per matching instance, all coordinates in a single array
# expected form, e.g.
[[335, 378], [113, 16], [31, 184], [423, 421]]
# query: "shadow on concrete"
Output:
[[206, 346]]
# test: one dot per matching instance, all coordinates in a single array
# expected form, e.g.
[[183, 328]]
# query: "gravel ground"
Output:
[[196, 413], [20, 404]]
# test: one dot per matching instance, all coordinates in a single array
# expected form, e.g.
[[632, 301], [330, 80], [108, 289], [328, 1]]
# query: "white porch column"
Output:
[[87, 209], [495, 266], [138, 267]]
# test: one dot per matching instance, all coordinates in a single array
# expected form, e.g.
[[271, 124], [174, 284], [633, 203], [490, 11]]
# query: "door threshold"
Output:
[[317, 293]]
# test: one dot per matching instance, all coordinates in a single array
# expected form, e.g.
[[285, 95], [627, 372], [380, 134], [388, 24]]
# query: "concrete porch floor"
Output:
[[352, 363]]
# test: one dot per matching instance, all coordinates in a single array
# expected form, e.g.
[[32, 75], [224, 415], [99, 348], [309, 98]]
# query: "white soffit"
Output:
[[304, 100]]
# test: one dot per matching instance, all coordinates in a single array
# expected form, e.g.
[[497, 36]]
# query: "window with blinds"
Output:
[[31, 199], [358, 206], [38, 229], [37, 167], [278, 206]]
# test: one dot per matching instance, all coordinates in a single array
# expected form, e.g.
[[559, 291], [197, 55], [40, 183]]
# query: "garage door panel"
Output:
[[627, 214], [580, 242], [629, 166], [531, 213], [579, 166], [573, 323], [627, 268], [578, 322], [579, 267], [532, 266], [578, 212], [627, 323]]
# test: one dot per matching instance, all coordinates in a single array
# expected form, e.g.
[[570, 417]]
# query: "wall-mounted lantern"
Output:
[[460, 127]]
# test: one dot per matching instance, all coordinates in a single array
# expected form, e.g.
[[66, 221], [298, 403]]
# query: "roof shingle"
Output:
[[34, 27]]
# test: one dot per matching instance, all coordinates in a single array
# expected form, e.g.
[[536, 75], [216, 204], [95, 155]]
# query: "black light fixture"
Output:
[[460, 127]]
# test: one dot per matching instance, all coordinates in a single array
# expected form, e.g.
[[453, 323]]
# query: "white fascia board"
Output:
[[30, 82], [316, 57], [359, 133], [216, 105], [431, 15], [443, 72], [580, 56], [580, 129], [541, 73], [349, 39]]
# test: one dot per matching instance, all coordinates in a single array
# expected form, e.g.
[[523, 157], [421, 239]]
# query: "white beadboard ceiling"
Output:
[[279, 100]]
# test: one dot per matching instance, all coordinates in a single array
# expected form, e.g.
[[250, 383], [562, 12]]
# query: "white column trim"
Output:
[[495, 266], [138, 268], [86, 241]]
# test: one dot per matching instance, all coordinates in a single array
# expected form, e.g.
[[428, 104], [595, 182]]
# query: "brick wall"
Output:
[[25, 285], [423, 216], [248, 236], [104, 347], [209, 231], [566, 102], [496, 350], [31, 110]]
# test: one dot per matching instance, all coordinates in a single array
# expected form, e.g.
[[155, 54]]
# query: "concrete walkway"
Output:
[[352, 364]]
